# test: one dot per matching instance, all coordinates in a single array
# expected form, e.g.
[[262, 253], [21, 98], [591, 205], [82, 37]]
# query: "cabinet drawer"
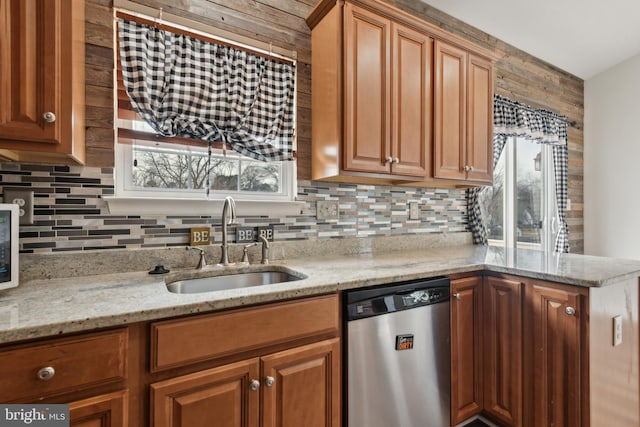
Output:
[[78, 363], [183, 341]]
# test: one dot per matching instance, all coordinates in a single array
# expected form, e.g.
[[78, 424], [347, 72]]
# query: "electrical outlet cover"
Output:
[[24, 199], [327, 209]]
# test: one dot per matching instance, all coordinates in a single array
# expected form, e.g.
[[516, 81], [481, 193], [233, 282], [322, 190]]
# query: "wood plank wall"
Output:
[[519, 76]]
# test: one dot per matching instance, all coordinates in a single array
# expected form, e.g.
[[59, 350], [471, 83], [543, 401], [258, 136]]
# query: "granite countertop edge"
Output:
[[47, 308]]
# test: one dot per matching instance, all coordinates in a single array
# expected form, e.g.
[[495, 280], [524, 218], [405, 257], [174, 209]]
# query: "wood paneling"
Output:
[[105, 410], [518, 75]]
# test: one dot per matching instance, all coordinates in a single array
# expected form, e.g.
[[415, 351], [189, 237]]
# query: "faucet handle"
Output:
[[202, 263], [245, 253]]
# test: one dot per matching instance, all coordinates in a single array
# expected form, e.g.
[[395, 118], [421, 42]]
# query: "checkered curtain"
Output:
[[183, 86], [511, 118]]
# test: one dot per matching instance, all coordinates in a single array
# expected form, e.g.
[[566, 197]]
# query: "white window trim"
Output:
[[549, 210]]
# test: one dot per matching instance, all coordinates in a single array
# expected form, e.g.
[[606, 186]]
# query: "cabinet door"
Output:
[[227, 396], [480, 120], [553, 347], [450, 67], [503, 350], [302, 386], [411, 125], [29, 47], [42, 79], [106, 410], [367, 39], [466, 348]]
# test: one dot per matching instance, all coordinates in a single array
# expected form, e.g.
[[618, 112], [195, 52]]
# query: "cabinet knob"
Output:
[[49, 117], [396, 160], [457, 295], [269, 381], [389, 159], [468, 168], [254, 385], [570, 311], [46, 373]]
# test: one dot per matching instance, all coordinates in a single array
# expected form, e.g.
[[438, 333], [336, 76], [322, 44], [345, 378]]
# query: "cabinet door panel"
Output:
[[450, 111], [367, 91], [480, 120], [306, 388], [411, 142], [503, 350], [466, 348], [219, 396], [29, 46], [555, 353], [107, 410]]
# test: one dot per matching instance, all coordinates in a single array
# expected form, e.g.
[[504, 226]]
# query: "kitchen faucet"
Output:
[[228, 218]]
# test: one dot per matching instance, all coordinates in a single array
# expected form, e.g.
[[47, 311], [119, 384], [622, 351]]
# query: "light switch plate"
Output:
[[24, 199], [617, 330], [327, 209]]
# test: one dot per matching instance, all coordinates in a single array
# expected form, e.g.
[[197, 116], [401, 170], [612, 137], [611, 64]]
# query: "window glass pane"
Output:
[[492, 203], [260, 176], [171, 169], [224, 174], [529, 192]]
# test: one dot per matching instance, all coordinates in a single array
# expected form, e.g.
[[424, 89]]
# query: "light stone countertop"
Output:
[[49, 307]]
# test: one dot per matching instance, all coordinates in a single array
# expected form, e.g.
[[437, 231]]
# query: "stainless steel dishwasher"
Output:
[[398, 355]]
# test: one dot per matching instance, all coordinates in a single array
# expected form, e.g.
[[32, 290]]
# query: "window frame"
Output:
[[123, 161], [510, 208]]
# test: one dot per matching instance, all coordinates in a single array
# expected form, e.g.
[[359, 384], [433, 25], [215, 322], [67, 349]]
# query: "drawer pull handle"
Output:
[[457, 295], [269, 381], [570, 311], [49, 117], [254, 385], [45, 374]]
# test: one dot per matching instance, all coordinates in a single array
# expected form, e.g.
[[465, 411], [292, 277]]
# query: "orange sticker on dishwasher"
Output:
[[404, 342]]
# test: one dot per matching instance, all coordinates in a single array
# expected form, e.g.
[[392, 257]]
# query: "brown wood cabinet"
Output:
[[106, 410], [503, 350], [555, 329], [463, 125], [466, 348], [42, 80], [372, 96], [285, 374]]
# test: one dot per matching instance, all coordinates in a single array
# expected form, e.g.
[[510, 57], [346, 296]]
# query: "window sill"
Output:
[[199, 207]]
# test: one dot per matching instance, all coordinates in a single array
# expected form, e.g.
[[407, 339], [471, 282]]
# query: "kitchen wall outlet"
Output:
[[617, 330], [24, 199], [414, 210], [327, 209]]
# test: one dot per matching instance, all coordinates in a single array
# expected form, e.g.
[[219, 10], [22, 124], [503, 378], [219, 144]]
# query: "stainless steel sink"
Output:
[[232, 281]]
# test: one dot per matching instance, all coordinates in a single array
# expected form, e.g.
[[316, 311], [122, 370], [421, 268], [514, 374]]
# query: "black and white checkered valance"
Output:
[[513, 119], [184, 86]]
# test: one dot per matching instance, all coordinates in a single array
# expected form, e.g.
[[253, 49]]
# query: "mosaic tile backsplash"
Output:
[[70, 213]]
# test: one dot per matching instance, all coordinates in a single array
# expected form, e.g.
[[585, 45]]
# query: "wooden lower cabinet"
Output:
[[503, 350], [106, 410], [466, 348], [553, 361], [295, 387]]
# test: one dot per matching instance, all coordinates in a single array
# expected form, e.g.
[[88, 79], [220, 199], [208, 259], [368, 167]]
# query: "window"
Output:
[[520, 209], [155, 166]]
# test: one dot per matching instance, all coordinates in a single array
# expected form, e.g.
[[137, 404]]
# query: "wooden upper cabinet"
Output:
[[480, 120], [42, 80], [367, 47], [553, 355], [411, 113], [450, 112], [503, 350], [466, 348], [463, 127]]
